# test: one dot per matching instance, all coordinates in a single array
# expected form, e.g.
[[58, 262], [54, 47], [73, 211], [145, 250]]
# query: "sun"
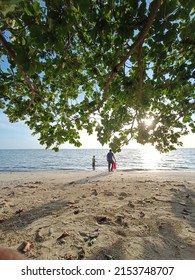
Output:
[[148, 121]]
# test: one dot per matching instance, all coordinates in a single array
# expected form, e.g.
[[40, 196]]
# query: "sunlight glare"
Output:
[[151, 157], [148, 122]]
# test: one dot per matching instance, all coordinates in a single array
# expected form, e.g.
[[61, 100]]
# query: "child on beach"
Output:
[[93, 162]]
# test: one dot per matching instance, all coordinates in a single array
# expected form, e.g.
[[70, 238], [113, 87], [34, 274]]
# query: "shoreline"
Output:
[[97, 170], [99, 215], [94, 175]]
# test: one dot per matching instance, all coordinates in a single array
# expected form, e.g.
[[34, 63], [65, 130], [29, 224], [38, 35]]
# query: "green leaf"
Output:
[[89, 65]]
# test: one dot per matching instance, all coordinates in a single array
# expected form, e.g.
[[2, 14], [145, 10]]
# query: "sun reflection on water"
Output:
[[151, 158]]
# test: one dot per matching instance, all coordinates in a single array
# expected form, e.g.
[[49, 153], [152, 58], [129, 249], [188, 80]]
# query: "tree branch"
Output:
[[189, 107], [141, 36], [155, 6], [140, 68]]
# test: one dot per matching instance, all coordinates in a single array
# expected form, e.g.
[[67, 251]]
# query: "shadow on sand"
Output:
[[167, 242], [88, 179], [23, 219]]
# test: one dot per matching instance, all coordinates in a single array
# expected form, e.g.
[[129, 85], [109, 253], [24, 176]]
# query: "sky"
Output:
[[18, 136]]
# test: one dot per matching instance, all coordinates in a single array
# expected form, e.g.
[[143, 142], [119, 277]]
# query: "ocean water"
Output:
[[81, 159]]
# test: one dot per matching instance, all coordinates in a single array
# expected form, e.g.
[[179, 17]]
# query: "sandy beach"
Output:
[[99, 215]]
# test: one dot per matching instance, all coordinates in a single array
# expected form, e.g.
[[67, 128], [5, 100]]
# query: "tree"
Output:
[[104, 66]]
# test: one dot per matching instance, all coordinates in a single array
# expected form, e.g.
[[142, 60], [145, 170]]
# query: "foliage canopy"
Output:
[[103, 66]]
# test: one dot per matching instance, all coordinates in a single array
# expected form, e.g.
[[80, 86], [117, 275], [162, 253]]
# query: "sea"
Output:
[[33, 160]]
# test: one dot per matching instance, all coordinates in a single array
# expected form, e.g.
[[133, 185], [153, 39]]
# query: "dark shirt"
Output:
[[110, 156]]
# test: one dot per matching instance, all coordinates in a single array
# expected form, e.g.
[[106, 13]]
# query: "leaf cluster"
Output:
[[99, 65]]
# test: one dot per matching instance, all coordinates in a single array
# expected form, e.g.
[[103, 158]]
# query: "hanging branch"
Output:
[[140, 68], [189, 107], [155, 6]]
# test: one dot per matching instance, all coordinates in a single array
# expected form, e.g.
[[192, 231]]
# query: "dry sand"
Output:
[[99, 215]]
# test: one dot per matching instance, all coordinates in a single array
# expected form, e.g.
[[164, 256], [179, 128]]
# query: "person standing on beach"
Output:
[[110, 159], [93, 162]]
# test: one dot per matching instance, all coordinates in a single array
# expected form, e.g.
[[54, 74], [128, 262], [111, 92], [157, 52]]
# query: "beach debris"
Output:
[[50, 231], [108, 257], [39, 236], [68, 257], [188, 195], [4, 188], [161, 225], [91, 242], [25, 247], [37, 182], [90, 237], [71, 203], [108, 193], [81, 254], [32, 187], [180, 185], [94, 192], [2, 220], [173, 190], [76, 211], [83, 234], [3, 203], [185, 212], [121, 233], [130, 204], [103, 220], [61, 241], [148, 200], [123, 194], [19, 186], [71, 183], [183, 204], [142, 214], [158, 194], [141, 201], [125, 224], [63, 235], [19, 211], [119, 219]]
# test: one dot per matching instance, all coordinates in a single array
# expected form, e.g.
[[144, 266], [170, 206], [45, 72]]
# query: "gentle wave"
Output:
[[81, 159]]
